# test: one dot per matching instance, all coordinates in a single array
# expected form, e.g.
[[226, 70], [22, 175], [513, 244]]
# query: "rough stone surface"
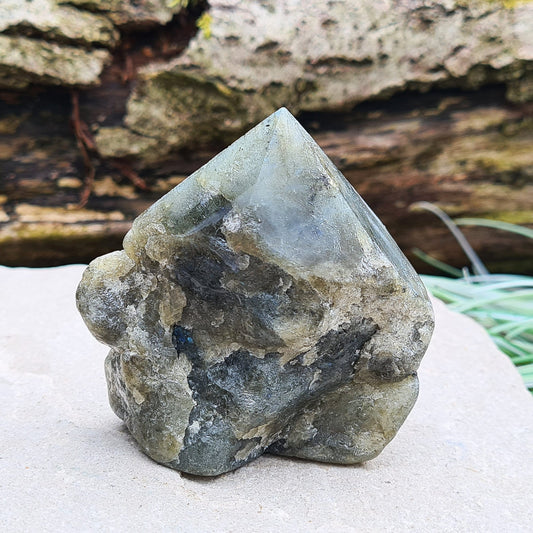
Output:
[[25, 60], [259, 55], [46, 42], [133, 12], [462, 460], [260, 305], [63, 23], [67, 43]]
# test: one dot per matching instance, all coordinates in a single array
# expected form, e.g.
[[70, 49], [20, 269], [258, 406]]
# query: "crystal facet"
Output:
[[259, 306]]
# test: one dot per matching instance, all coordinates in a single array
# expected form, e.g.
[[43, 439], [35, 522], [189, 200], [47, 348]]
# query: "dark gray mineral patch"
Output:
[[259, 306]]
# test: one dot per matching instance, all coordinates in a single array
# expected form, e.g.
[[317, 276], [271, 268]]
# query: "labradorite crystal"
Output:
[[260, 306]]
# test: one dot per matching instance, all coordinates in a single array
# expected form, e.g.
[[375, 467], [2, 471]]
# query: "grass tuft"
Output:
[[501, 303]]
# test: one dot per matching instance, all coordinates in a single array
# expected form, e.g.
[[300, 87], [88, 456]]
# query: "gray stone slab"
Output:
[[461, 462]]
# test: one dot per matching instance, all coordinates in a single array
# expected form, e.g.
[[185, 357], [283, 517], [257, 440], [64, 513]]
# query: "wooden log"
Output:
[[469, 152]]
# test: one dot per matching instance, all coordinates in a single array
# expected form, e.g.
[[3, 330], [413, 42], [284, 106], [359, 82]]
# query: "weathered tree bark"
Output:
[[458, 131]]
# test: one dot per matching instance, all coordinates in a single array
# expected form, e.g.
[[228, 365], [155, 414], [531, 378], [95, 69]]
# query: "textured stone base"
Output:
[[462, 460]]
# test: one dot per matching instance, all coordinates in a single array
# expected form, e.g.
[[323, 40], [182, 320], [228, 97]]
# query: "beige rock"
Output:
[[461, 462]]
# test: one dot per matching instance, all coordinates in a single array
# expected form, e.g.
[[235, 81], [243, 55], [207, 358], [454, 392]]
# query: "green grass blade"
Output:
[[439, 265], [493, 299], [509, 348], [512, 329], [477, 265], [496, 224]]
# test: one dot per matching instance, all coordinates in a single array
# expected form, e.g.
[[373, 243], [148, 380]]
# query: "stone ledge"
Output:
[[462, 460]]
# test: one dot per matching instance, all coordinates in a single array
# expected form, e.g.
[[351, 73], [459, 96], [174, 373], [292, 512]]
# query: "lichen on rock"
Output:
[[260, 306]]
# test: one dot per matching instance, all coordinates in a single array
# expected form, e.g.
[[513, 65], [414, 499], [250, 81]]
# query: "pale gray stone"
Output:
[[49, 43], [261, 54], [59, 22], [24, 60], [259, 306], [134, 12]]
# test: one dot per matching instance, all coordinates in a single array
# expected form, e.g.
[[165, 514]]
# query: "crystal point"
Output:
[[259, 306]]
